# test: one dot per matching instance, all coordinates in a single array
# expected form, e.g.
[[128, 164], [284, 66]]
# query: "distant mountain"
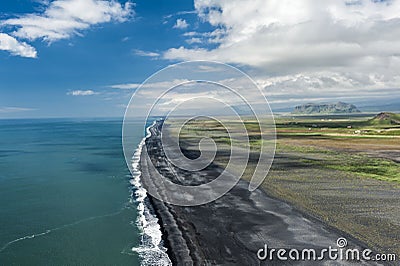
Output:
[[385, 118], [333, 108]]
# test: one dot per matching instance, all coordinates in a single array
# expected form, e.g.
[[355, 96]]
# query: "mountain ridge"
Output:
[[327, 108]]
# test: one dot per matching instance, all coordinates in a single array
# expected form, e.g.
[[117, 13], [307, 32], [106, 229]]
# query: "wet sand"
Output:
[[230, 230]]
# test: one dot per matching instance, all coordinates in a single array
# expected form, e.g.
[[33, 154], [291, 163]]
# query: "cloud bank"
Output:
[[331, 45]]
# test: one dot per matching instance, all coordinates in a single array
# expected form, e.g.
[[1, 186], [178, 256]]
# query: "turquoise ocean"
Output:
[[68, 198]]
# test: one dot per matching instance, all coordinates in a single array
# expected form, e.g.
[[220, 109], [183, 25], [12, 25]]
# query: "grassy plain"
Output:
[[344, 170]]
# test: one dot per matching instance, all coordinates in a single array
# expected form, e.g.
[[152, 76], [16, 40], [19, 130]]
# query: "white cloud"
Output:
[[144, 53], [190, 33], [153, 86], [126, 86], [194, 40], [180, 13], [62, 19], [181, 24], [15, 109], [9, 43], [207, 37], [82, 93], [324, 40], [297, 35]]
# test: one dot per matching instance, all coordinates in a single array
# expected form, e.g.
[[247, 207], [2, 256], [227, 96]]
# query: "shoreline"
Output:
[[163, 230], [152, 250], [171, 235], [193, 236]]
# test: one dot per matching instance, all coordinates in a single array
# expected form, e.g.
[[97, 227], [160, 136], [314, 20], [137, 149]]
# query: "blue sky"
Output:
[[74, 58], [105, 55]]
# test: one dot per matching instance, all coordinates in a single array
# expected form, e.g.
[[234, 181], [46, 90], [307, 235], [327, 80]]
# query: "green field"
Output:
[[342, 169], [352, 144]]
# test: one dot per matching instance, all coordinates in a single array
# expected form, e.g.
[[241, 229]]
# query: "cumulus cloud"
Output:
[[181, 24], [62, 19], [144, 53], [12, 45], [297, 35], [358, 41], [82, 93]]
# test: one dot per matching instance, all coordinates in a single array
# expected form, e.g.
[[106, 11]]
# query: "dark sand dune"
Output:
[[230, 230]]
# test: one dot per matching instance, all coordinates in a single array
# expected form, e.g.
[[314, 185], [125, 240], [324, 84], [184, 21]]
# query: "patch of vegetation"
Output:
[[252, 126], [359, 164], [385, 119], [224, 140], [380, 169], [303, 149]]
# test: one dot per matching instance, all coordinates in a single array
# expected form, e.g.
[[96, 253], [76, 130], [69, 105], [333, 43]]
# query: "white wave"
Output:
[[151, 249]]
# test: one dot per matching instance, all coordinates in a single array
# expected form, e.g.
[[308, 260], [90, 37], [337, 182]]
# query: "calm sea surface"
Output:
[[65, 194]]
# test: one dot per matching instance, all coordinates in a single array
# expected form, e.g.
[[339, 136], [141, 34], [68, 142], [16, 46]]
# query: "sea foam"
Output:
[[151, 249]]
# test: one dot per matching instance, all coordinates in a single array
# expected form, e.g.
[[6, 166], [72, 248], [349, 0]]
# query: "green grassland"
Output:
[[344, 170], [355, 163], [294, 132]]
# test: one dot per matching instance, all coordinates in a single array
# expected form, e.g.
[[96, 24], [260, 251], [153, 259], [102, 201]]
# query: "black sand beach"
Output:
[[230, 230]]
